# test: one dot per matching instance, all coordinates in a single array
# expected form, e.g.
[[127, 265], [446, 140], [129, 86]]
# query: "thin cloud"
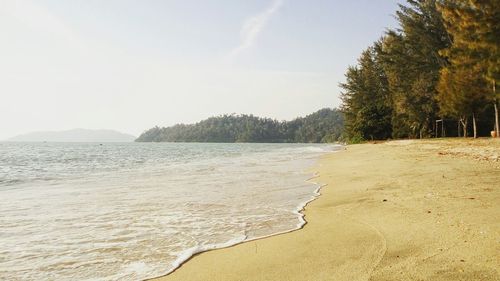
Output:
[[253, 26], [27, 14]]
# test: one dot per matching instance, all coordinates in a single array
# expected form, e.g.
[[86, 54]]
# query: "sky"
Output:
[[129, 65]]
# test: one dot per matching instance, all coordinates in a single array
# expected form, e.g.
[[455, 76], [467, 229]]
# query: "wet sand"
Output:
[[402, 210]]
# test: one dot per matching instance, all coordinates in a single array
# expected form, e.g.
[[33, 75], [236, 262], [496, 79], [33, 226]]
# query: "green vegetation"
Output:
[[430, 76], [325, 125]]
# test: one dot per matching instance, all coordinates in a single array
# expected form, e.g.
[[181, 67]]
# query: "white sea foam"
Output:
[[136, 211]]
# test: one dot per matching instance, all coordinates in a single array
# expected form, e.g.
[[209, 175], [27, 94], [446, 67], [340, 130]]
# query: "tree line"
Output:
[[435, 75], [325, 125]]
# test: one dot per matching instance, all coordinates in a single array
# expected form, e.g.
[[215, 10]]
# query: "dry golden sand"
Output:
[[404, 210]]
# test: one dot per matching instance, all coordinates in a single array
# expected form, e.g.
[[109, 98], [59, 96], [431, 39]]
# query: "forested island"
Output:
[[434, 76], [325, 125]]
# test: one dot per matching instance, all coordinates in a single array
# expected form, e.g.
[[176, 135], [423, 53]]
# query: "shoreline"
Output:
[[299, 211], [388, 212]]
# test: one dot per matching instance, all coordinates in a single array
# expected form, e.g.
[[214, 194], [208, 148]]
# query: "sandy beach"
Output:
[[402, 210]]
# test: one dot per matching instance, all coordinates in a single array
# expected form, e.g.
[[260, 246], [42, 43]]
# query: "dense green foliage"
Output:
[[435, 67], [468, 82], [325, 125], [366, 103]]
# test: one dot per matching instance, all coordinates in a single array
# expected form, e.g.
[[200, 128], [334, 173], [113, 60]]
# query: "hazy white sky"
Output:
[[130, 65]]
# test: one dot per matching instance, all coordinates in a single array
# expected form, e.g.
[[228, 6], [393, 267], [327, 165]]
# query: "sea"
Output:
[[133, 211]]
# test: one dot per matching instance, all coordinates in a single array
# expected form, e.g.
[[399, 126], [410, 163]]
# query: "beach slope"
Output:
[[404, 210]]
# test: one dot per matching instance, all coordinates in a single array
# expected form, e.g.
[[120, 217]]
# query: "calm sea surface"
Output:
[[130, 211]]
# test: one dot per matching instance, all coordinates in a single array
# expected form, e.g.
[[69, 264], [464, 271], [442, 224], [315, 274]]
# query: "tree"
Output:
[[475, 28], [462, 94], [410, 57], [366, 103]]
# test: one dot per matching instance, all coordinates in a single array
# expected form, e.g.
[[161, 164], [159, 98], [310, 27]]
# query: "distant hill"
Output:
[[325, 125], [75, 135]]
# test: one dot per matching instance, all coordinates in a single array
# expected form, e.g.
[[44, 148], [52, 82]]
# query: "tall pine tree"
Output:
[[411, 59], [475, 28], [366, 101]]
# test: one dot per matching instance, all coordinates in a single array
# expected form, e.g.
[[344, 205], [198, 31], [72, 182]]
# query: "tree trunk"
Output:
[[464, 126], [443, 132], [458, 128], [474, 124], [497, 127]]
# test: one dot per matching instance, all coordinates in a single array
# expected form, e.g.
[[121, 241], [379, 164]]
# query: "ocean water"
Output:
[[132, 211]]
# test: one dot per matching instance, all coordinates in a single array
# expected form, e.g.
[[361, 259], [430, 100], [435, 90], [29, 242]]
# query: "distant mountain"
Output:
[[75, 135]]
